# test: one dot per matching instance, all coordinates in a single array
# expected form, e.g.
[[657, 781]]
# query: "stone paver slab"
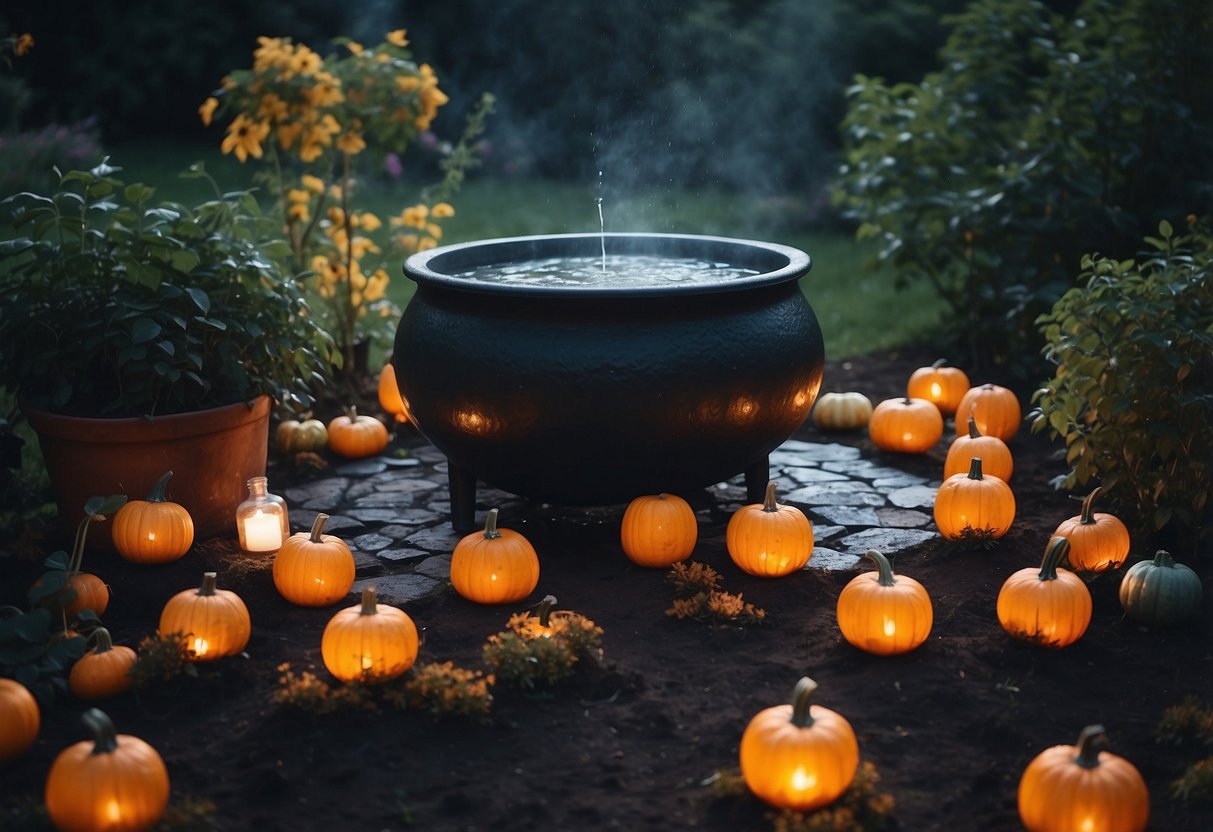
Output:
[[829, 559], [398, 589], [887, 541], [903, 518], [914, 496]]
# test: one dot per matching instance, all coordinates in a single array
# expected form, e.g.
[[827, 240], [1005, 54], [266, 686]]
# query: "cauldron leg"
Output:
[[756, 478], [463, 498]]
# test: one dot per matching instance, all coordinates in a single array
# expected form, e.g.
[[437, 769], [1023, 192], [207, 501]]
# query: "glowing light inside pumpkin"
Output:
[[151, 537], [493, 577], [367, 662], [890, 626], [113, 811], [201, 645], [907, 436], [936, 390], [1088, 825], [803, 780]]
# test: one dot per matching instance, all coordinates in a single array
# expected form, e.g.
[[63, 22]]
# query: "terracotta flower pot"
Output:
[[212, 454]]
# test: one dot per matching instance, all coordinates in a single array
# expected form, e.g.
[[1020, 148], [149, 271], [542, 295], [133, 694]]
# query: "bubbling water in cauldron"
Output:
[[614, 270]]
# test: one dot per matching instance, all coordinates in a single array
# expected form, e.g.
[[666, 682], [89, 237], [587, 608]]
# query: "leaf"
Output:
[[200, 299], [144, 330], [104, 506], [57, 560]]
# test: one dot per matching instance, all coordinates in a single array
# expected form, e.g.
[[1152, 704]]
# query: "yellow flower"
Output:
[[414, 216], [351, 143], [26, 42], [427, 243], [442, 210], [313, 183], [287, 133], [396, 37], [434, 230], [336, 215], [207, 110], [335, 191], [325, 92], [272, 108], [244, 137], [298, 211], [298, 195], [355, 47], [304, 61], [370, 222], [382, 57], [407, 241]]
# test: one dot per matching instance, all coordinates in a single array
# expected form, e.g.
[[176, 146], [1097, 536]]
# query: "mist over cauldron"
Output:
[[594, 395]]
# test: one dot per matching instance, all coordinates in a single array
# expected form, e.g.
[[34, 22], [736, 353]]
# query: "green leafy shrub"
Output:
[[1041, 137], [1132, 395]]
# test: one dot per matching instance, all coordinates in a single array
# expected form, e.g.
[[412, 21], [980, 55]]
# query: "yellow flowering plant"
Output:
[[313, 120]]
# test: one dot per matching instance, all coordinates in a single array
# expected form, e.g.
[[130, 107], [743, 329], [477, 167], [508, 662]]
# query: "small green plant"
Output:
[[1196, 783], [697, 594], [1131, 399], [305, 692], [1189, 725], [161, 658], [541, 648], [443, 689]]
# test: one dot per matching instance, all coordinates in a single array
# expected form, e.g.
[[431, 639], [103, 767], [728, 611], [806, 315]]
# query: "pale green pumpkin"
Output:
[[1160, 592]]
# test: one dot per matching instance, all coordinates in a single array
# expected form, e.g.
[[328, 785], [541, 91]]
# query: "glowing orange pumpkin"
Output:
[[768, 539], [995, 409], [1098, 541], [495, 566], [942, 386], [996, 459], [20, 719], [369, 642], [104, 670], [1081, 787], [973, 503], [215, 621], [658, 530], [883, 613], [354, 435], [1047, 606], [389, 395], [799, 756], [114, 782], [313, 569], [155, 530], [906, 426]]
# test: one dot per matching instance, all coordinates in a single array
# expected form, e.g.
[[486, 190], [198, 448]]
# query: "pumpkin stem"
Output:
[[802, 696], [883, 567], [1086, 515], [76, 563], [156, 495], [318, 528], [974, 433], [1163, 558], [907, 401], [104, 642], [490, 525], [544, 610], [351, 413], [1090, 741], [975, 468], [768, 499], [1055, 553], [369, 602], [939, 362], [105, 737], [208, 584]]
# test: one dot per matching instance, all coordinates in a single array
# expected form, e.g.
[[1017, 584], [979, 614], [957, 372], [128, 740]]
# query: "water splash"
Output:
[[601, 223]]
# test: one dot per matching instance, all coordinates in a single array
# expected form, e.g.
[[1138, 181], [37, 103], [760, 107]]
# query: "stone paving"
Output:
[[394, 512]]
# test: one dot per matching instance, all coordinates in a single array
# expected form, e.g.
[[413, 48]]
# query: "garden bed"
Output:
[[631, 741]]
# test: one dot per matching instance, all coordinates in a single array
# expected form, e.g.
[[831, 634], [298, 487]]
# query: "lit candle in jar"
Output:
[[262, 532]]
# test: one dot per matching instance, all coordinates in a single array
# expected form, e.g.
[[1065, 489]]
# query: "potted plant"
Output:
[[127, 320]]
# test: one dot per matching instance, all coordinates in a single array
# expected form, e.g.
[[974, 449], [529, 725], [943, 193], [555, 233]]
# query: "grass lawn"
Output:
[[858, 308]]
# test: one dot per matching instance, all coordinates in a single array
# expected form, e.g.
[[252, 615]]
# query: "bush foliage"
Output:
[[1132, 395], [1042, 136]]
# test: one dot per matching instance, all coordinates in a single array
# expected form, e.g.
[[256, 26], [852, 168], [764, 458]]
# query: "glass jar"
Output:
[[261, 520]]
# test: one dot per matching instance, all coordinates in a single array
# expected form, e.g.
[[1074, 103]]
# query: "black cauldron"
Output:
[[588, 396]]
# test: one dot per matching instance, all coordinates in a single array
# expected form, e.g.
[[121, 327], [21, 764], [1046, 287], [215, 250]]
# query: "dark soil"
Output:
[[629, 743]]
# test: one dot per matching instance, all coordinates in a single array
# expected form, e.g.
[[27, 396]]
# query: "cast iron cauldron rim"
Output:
[[418, 267]]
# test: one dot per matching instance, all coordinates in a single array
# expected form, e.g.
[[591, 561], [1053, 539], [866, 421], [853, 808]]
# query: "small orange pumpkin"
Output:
[[313, 569], [907, 426], [294, 437], [355, 436], [769, 540], [92, 593], [942, 386], [1098, 541], [20, 719], [996, 459], [1047, 606], [842, 411], [215, 621], [995, 409], [1082, 787], [114, 782], [799, 756], [658, 530], [389, 395], [369, 642], [883, 613], [494, 566], [104, 670], [973, 502], [155, 530]]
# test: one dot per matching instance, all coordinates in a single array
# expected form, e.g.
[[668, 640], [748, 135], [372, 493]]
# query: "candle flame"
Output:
[[493, 577], [367, 662], [803, 780], [151, 536], [890, 626], [907, 436], [113, 811], [936, 390], [201, 645]]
